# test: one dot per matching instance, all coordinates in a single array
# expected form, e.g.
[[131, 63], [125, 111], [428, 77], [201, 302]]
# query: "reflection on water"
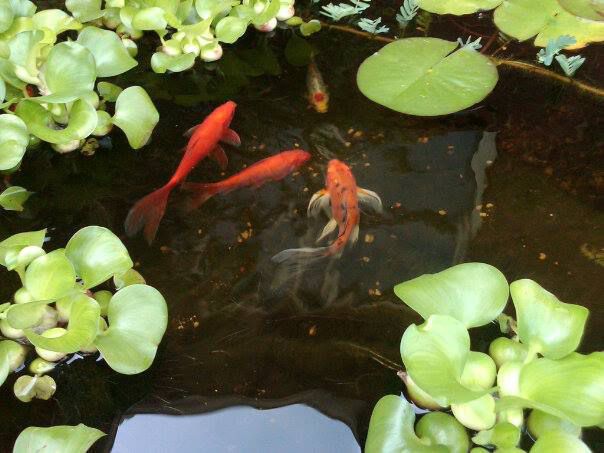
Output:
[[239, 429]]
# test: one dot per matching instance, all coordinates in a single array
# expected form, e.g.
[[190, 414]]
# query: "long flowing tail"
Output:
[[294, 261], [200, 193], [147, 213]]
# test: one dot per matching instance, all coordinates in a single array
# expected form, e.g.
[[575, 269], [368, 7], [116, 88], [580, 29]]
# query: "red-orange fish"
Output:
[[318, 97], [204, 141], [272, 168], [344, 197]]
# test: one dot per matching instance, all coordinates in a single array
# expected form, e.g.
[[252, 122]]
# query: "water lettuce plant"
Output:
[[64, 439], [61, 310], [537, 368], [13, 198], [47, 87]]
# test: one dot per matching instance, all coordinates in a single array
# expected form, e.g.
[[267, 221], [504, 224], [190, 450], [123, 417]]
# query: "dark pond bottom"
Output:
[[498, 184]]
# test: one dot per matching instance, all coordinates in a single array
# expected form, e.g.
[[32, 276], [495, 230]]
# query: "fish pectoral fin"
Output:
[[369, 200], [320, 200], [220, 157], [190, 131], [354, 236], [328, 229], [230, 137]]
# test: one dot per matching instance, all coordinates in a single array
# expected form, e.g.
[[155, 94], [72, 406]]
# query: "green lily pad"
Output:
[[473, 293], [138, 317], [24, 316], [50, 277], [136, 115], [540, 422], [161, 62], [149, 19], [82, 121], [14, 139], [391, 429], [230, 29], [69, 72], [27, 388], [435, 355], [110, 55], [13, 198], [311, 27], [17, 242], [457, 7], [12, 356], [587, 9], [546, 325], [426, 77], [97, 255], [443, 429], [64, 439], [55, 21], [85, 10], [559, 442], [130, 277], [81, 330]]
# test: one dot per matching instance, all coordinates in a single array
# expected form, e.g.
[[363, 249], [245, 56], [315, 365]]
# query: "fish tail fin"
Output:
[[200, 193], [147, 213], [295, 261]]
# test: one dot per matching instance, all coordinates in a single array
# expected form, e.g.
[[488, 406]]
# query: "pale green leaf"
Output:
[[310, 27], [110, 55], [27, 388], [149, 19], [473, 293], [17, 242], [57, 439], [457, 7], [138, 317], [85, 10], [229, 29], [23, 8], [478, 414], [559, 442], [55, 20], [130, 277], [50, 277], [136, 115], [13, 198], [161, 62], [24, 316], [12, 355], [443, 429], [14, 139], [426, 77], [6, 15], [546, 325], [97, 255], [502, 435], [540, 422], [587, 9], [108, 91]]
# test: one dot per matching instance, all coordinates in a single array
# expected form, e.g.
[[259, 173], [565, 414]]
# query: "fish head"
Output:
[[224, 114], [320, 101], [299, 157]]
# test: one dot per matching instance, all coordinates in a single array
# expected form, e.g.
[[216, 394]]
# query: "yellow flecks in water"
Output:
[[314, 175], [196, 324], [357, 134], [365, 259], [375, 292], [312, 331], [296, 173], [367, 164], [593, 253], [484, 214], [347, 144], [442, 212], [262, 146], [350, 131], [396, 205], [478, 207], [182, 324], [137, 264], [542, 256], [199, 231], [297, 145], [305, 189], [450, 150], [165, 249], [244, 235], [369, 238], [423, 139], [490, 205], [393, 236]]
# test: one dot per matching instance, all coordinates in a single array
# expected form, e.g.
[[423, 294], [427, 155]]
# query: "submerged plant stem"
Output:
[[512, 64]]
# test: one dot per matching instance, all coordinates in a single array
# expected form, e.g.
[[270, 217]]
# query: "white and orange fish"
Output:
[[342, 199], [318, 97]]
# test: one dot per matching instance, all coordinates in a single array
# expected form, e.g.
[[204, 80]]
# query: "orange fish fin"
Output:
[[147, 213], [220, 157], [200, 193], [230, 137], [190, 131]]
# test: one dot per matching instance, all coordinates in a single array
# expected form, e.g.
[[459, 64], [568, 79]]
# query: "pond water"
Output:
[[512, 182]]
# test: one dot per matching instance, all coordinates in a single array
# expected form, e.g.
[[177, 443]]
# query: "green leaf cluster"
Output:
[[59, 313], [536, 369]]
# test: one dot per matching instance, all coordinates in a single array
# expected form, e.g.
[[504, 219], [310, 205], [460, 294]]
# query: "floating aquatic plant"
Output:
[[570, 65], [537, 369], [407, 12], [553, 48], [126, 326], [64, 439], [13, 198], [373, 26]]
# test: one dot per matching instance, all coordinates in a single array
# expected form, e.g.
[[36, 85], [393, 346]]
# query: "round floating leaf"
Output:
[[55, 20], [161, 62], [23, 8], [30, 314], [457, 7], [426, 76], [130, 277], [149, 19], [12, 355], [14, 139], [479, 372], [81, 330], [27, 388], [108, 91], [17, 242], [138, 317], [97, 254], [504, 350], [434, 355], [69, 72], [391, 429], [50, 277], [64, 439], [559, 442], [583, 30], [110, 55], [310, 27], [82, 122], [229, 29], [13, 198], [503, 435], [6, 15], [473, 293], [587, 9], [136, 115], [540, 422], [478, 414], [546, 325], [443, 429], [85, 10], [25, 49]]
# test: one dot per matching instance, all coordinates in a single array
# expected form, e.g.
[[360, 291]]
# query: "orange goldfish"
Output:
[[344, 196], [272, 168], [318, 97], [204, 141]]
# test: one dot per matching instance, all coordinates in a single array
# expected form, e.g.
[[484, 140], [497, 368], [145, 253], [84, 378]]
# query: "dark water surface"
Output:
[[513, 182]]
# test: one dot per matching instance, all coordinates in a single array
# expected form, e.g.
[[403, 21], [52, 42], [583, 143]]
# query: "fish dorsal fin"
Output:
[[369, 200], [220, 157], [230, 137], [189, 132], [320, 200]]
